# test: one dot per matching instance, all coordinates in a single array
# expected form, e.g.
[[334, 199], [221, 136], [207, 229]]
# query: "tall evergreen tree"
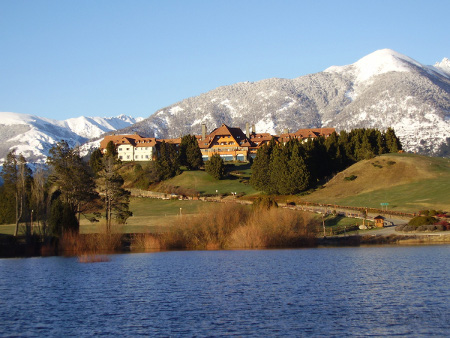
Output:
[[167, 164], [17, 182], [260, 179], [299, 175], [393, 143], [72, 176], [279, 171], [189, 153], [95, 160], [116, 199]]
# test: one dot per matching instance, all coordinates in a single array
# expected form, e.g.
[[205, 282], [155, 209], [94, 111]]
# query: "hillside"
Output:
[[33, 136], [407, 182], [383, 89]]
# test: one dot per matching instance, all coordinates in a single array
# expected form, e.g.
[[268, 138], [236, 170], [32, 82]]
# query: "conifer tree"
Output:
[[260, 179], [393, 144], [299, 175], [279, 171], [95, 161], [215, 167], [167, 164], [116, 199], [189, 153], [17, 182], [72, 177]]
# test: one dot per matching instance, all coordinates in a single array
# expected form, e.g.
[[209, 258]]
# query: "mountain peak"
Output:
[[444, 65], [377, 63]]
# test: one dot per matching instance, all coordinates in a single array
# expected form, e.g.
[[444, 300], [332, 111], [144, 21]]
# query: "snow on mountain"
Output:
[[33, 136], [442, 67], [383, 89], [377, 63]]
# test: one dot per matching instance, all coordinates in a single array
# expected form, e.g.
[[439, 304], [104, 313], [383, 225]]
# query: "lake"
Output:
[[364, 291]]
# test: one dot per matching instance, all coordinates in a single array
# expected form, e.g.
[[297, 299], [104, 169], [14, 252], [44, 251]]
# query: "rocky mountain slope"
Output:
[[383, 89], [33, 136]]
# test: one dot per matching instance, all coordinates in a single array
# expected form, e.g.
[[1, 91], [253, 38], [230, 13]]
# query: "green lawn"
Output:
[[150, 215], [237, 181]]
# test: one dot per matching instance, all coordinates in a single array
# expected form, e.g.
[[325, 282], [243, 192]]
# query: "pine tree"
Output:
[[298, 172], [17, 181], [392, 142], [279, 171], [167, 164], [215, 167], [189, 153], [95, 160], [72, 176], [116, 199], [260, 179]]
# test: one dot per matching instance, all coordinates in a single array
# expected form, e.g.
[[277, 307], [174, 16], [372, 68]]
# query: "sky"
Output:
[[63, 59]]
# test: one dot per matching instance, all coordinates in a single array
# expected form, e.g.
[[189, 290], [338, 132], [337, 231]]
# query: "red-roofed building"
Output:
[[132, 147]]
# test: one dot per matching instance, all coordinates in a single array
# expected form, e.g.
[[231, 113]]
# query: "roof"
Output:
[[223, 130], [134, 140], [307, 133]]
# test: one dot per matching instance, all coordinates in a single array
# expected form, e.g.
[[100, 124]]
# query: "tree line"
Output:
[[53, 200], [296, 166]]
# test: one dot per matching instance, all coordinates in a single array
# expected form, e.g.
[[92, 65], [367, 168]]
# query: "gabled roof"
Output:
[[224, 130], [307, 133], [134, 140]]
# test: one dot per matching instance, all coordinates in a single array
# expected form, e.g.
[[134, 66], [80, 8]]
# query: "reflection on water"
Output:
[[339, 291]]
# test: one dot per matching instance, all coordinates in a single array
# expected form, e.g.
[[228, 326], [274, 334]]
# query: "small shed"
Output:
[[379, 221]]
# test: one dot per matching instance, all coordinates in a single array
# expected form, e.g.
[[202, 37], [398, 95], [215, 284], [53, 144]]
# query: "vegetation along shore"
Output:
[[351, 188]]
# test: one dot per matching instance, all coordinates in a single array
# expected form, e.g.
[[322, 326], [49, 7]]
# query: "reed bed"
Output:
[[73, 244], [233, 226]]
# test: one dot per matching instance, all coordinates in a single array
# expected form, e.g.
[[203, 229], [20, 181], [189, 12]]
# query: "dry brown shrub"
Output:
[[236, 226], [275, 227], [211, 230], [145, 242], [72, 243]]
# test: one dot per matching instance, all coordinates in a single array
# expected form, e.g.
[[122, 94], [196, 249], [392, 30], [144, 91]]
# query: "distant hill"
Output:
[[383, 89], [407, 182], [33, 136]]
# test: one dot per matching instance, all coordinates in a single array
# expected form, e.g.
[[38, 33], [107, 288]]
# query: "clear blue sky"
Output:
[[62, 59]]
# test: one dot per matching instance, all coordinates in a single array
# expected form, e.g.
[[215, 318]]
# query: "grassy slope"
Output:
[[412, 183], [151, 215], [206, 184]]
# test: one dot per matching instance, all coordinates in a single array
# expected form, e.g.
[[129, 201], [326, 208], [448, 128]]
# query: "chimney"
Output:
[[247, 130], [285, 131], [203, 131], [253, 129]]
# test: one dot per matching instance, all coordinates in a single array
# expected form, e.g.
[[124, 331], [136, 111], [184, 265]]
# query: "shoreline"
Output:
[[17, 247]]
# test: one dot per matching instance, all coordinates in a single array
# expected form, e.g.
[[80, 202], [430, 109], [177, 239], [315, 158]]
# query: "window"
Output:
[[128, 157], [120, 157], [146, 156]]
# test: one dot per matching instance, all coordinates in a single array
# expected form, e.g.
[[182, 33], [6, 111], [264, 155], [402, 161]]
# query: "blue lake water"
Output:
[[366, 291]]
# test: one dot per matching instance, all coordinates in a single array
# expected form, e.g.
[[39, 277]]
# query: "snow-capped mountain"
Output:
[[383, 89], [33, 136]]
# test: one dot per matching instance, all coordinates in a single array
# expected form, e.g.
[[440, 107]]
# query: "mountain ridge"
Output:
[[33, 136], [383, 89]]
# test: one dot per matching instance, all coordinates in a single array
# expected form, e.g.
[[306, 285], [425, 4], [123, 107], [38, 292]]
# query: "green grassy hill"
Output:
[[407, 182], [237, 181]]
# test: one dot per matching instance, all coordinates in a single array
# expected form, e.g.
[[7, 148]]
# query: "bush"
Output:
[[350, 178], [215, 167], [265, 202], [422, 220]]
